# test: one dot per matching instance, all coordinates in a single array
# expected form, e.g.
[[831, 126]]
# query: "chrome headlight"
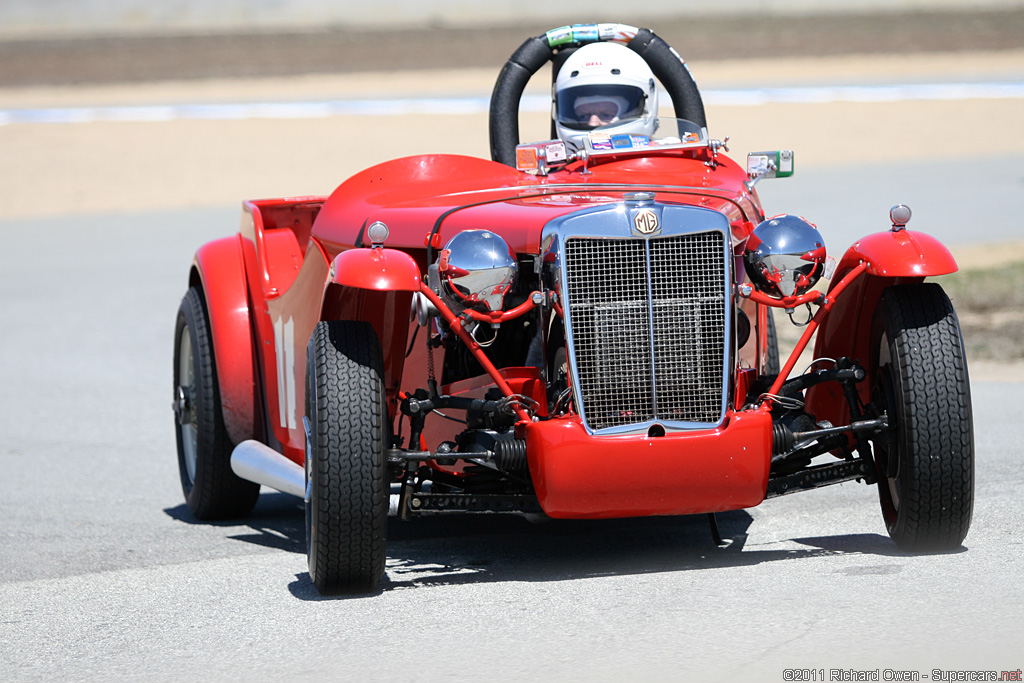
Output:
[[476, 269], [784, 256]]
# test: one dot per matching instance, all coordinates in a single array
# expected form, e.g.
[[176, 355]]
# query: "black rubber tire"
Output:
[[926, 466], [772, 363], [347, 491], [212, 490]]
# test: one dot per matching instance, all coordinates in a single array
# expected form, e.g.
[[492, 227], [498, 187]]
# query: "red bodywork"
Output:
[[299, 261]]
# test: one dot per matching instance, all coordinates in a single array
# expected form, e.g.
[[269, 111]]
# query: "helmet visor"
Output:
[[585, 107]]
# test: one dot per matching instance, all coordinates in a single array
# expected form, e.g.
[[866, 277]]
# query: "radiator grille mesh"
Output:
[[627, 296]]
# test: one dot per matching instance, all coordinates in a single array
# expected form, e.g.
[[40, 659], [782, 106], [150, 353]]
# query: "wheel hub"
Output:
[[885, 404], [182, 404]]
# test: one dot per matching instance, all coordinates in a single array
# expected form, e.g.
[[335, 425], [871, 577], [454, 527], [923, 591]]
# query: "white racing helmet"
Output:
[[606, 85]]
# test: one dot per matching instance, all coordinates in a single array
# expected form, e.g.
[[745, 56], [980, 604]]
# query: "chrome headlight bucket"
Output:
[[784, 256], [477, 269]]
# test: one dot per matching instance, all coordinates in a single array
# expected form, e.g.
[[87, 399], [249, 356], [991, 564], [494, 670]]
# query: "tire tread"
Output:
[[349, 513], [937, 493]]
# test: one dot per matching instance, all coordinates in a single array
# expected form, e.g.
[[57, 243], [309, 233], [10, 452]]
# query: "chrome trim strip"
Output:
[[650, 328]]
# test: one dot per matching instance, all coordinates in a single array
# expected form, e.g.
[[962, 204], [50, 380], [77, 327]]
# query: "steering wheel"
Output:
[[555, 45]]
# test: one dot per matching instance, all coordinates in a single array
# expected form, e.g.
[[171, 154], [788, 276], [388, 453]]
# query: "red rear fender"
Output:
[[219, 270]]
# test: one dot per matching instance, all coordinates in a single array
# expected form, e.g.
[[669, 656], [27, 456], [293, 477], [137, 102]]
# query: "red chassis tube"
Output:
[[578, 475], [456, 325], [826, 306]]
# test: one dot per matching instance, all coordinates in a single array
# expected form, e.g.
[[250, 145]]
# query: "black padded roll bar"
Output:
[[508, 90], [667, 66], [670, 69]]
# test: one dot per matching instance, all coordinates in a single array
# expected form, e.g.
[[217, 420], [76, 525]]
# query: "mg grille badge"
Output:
[[645, 222]]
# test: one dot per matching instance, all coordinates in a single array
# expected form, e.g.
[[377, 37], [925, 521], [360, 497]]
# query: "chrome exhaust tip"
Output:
[[258, 462]]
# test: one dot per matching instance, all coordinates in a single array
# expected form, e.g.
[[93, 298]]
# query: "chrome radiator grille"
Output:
[[648, 328]]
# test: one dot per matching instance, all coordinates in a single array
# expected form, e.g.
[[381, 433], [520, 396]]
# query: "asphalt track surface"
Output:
[[104, 575]]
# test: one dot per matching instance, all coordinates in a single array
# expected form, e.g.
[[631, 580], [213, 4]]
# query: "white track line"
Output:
[[476, 105]]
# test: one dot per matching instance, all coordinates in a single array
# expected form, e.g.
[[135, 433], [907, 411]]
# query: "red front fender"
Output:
[[219, 269], [894, 257], [375, 285], [376, 269], [900, 253]]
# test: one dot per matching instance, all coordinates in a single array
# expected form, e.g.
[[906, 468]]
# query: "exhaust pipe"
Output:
[[258, 462]]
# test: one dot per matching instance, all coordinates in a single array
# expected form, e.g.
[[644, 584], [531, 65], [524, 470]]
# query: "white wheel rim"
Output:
[[186, 378]]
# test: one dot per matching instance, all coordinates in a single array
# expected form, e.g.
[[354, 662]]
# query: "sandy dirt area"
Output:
[[50, 169]]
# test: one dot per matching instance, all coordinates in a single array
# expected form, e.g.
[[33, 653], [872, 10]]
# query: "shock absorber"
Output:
[[510, 454]]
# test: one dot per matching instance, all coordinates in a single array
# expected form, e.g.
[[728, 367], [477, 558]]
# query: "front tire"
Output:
[[212, 490], [347, 491], [926, 465]]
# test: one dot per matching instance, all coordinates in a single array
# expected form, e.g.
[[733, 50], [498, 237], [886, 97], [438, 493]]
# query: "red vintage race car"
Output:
[[578, 327]]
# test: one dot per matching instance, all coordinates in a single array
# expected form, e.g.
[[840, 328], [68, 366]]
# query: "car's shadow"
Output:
[[275, 522], [473, 549], [451, 549]]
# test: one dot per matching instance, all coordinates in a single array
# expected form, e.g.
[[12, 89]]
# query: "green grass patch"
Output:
[[986, 290], [990, 305]]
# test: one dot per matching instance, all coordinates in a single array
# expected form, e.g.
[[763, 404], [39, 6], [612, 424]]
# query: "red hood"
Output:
[[412, 194]]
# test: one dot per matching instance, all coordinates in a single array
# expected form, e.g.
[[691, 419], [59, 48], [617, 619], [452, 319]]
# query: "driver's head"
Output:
[[604, 84]]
